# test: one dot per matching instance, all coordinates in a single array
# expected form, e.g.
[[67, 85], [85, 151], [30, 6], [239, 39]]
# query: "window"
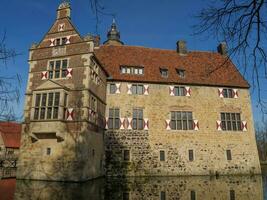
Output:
[[114, 118], [191, 155], [93, 152], [112, 88], [181, 120], [93, 107], [138, 121], [95, 72], [162, 155], [162, 195], [60, 41], [132, 70], [228, 154], [179, 91], [126, 155], [231, 121], [181, 73], [164, 73], [48, 151], [232, 195], [46, 106], [125, 196], [58, 69], [10, 152], [228, 93], [137, 89], [193, 195]]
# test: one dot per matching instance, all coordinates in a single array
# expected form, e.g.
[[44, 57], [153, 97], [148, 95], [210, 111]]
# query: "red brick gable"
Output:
[[11, 134], [201, 68]]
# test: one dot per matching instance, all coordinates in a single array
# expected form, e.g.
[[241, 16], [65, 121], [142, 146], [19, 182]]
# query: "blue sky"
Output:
[[150, 23]]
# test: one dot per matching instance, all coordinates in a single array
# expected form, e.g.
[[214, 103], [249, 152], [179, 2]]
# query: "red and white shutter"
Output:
[[196, 125], [220, 92], [129, 87], [168, 124], [68, 40], [122, 122], [70, 114], [146, 124], [106, 121], [69, 72], [44, 75], [171, 90], [146, 89], [244, 126], [118, 88], [235, 93], [187, 91], [52, 42], [219, 125], [129, 123]]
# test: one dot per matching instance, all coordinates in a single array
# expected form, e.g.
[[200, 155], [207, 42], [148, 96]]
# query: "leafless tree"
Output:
[[261, 137], [9, 85], [243, 25]]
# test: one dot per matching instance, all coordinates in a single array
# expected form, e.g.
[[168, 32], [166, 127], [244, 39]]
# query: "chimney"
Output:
[[97, 40], [181, 47], [222, 48], [63, 10]]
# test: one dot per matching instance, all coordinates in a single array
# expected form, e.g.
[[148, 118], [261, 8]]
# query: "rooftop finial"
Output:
[[64, 9], [113, 34]]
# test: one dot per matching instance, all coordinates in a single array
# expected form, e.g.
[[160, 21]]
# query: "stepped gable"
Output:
[[11, 134], [201, 68]]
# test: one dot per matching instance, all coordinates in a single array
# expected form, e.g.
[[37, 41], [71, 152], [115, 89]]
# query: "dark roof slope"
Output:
[[201, 68], [11, 134]]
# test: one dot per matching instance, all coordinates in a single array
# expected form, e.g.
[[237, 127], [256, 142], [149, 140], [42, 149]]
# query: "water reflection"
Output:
[[167, 188]]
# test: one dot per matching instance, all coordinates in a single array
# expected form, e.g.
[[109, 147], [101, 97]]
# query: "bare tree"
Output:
[[243, 25], [9, 85]]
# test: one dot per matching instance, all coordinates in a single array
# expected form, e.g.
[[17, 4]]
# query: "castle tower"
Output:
[[113, 35], [62, 134]]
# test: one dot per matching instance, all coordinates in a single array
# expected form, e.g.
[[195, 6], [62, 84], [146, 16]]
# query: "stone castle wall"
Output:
[[208, 144]]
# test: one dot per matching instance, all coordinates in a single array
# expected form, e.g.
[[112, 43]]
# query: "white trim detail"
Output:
[[129, 124], [129, 87], [168, 124], [146, 124], [146, 89], [118, 88], [219, 125], [171, 90]]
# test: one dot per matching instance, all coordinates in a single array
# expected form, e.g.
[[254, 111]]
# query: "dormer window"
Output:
[[181, 73], [164, 72], [135, 70]]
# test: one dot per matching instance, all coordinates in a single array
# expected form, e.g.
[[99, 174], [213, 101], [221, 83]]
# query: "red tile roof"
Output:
[[11, 134], [7, 189], [201, 68]]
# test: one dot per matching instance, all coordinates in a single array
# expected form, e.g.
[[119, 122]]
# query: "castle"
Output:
[[118, 110]]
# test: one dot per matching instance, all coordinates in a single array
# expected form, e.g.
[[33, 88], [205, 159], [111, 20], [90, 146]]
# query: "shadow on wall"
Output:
[[184, 188]]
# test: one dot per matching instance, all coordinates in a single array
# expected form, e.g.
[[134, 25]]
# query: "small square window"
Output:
[[181, 73], [164, 73], [48, 151]]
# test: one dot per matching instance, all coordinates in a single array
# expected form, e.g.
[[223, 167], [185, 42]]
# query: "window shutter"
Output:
[[196, 125], [69, 72], [187, 91], [118, 88], [235, 91], [106, 121], [146, 124], [130, 124], [122, 121], [70, 114], [129, 86], [68, 40], [171, 90], [219, 125], [146, 87], [220, 92], [244, 126], [44, 75], [52, 42], [61, 27], [168, 124]]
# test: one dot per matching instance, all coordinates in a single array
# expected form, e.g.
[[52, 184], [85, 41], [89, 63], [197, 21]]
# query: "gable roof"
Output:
[[201, 68], [11, 134]]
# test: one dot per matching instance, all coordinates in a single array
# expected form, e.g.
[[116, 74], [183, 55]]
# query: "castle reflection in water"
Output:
[[158, 188]]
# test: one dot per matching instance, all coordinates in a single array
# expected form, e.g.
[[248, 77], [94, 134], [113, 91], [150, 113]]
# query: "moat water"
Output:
[[158, 188]]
